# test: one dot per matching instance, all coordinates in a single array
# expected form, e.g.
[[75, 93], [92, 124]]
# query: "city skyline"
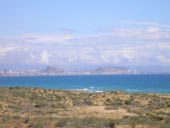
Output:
[[85, 34]]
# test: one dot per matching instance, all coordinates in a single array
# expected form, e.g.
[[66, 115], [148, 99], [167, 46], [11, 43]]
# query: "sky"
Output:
[[85, 34]]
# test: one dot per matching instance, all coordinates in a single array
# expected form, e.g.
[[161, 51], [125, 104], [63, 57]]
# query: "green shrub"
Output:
[[17, 117], [127, 102], [5, 118], [112, 124], [88, 102]]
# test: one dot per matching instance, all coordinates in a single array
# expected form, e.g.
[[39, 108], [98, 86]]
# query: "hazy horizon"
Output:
[[85, 34]]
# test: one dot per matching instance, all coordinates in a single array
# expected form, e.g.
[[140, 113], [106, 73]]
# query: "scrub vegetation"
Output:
[[47, 108]]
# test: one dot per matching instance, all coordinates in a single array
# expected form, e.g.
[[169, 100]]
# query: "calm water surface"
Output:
[[129, 83]]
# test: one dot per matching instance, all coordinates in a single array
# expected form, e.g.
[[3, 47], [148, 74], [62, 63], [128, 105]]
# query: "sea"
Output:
[[94, 83]]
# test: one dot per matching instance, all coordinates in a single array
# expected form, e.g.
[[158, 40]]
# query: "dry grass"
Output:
[[40, 108]]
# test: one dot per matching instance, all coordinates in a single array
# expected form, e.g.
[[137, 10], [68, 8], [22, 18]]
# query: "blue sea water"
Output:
[[128, 83]]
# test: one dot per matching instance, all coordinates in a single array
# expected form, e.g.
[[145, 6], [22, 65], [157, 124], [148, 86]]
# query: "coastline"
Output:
[[37, 107], [128, 83]]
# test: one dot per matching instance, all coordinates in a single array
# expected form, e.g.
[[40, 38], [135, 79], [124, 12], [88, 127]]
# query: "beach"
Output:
[[50, 108]]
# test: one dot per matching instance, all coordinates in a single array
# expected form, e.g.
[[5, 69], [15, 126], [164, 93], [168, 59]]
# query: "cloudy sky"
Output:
[[84, 34]]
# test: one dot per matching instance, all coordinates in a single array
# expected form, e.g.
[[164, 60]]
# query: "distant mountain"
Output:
[[112, 70]]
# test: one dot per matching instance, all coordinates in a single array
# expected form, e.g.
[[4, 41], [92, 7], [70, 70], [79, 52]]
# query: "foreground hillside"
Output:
[[41, 108]]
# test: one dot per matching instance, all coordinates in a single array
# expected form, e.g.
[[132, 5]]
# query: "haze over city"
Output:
[[86, 34]]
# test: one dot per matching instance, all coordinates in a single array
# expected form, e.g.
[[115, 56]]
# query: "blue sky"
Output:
[[83, 34]]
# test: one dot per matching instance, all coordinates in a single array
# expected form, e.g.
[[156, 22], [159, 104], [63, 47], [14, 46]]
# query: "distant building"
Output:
[[7, 72], [51, 69]]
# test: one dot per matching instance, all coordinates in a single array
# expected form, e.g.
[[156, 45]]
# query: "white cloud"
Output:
[[152, 29], [46, 38], [164, 60], [164, 46], [129, 47], [150, 33], [4, 50], [148, 23], [44, 57]]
